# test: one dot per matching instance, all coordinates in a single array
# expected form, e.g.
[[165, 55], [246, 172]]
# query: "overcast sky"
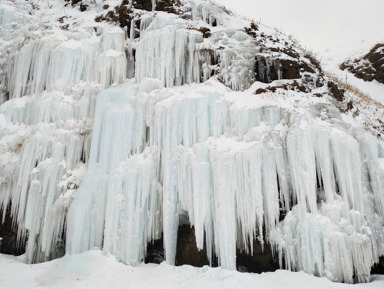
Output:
[[321, 24]]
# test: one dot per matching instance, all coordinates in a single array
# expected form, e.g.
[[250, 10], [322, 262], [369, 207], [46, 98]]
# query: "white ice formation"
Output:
[[172, 142]]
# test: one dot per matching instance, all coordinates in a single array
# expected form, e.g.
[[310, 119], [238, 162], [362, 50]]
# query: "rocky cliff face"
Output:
[[369, 67]]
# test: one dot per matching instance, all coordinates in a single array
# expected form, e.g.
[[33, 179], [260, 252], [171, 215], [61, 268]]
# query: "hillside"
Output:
[[370, 67]]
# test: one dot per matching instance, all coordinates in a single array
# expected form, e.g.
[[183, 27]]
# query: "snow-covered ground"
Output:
[[333, 57], [93, 270]]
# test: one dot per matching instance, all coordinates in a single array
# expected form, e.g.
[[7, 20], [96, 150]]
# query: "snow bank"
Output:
[[94, 270]]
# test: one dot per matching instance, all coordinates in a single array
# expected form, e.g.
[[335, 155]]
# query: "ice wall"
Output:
[[177, 53], [53, 64], [45, 135], [234, 169]]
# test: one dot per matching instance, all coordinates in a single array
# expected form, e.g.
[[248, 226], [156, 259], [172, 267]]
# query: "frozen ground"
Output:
[[93, 270]]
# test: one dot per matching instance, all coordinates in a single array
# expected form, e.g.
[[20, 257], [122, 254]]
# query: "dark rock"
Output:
[[187, 252], [267, 70], [261, 90], [262, 70], [155, 252], [261, 261], [319, 82], [83, 7], [298, 87], [349, 105], [251, 30], [167, 6], [370, 67], [291, 69], [337, 93], [74, 2], [379, 267], [206, 32], [290, 52], [121, 14], [143, 4], [8, 233]]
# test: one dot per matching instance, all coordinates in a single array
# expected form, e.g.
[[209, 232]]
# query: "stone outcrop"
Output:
[[370, 67], [8, 233]]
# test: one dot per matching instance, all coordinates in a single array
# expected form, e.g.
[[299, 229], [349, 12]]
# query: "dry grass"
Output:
[[352, 89]]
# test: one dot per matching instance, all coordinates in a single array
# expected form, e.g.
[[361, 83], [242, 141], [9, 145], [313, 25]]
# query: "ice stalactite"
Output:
[[50, 64], [237, 63], [178, 55], [210, 14], [109, 148], [53, 83], [169, 54], [139, 221]]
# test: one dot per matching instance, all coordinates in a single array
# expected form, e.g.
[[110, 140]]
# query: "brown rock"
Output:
[[187, 252]]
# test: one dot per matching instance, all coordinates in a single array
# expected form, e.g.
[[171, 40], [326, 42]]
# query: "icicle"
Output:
[[135, 196], [52, 129], [334, 243]]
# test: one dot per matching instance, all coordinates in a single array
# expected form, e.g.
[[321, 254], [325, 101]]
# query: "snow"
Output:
[[332, 58], [94, 270]]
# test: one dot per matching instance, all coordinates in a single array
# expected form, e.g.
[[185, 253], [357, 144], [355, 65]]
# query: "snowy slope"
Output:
[[333, 57], [109, 136]]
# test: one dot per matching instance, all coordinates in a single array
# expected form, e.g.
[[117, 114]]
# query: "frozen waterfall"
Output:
[[232, 170], [45, 139], [110, 137]]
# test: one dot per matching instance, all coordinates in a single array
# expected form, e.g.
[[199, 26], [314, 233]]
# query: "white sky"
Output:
[[321, 24]]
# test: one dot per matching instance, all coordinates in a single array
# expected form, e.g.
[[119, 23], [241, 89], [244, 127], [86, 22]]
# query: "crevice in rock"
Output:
[[8, 233]]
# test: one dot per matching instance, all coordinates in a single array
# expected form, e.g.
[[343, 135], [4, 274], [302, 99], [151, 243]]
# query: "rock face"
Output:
[[262, 259], [143, 4], [379, 267], [155, 252], [370, 67], [187, 251], [8, 233]]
